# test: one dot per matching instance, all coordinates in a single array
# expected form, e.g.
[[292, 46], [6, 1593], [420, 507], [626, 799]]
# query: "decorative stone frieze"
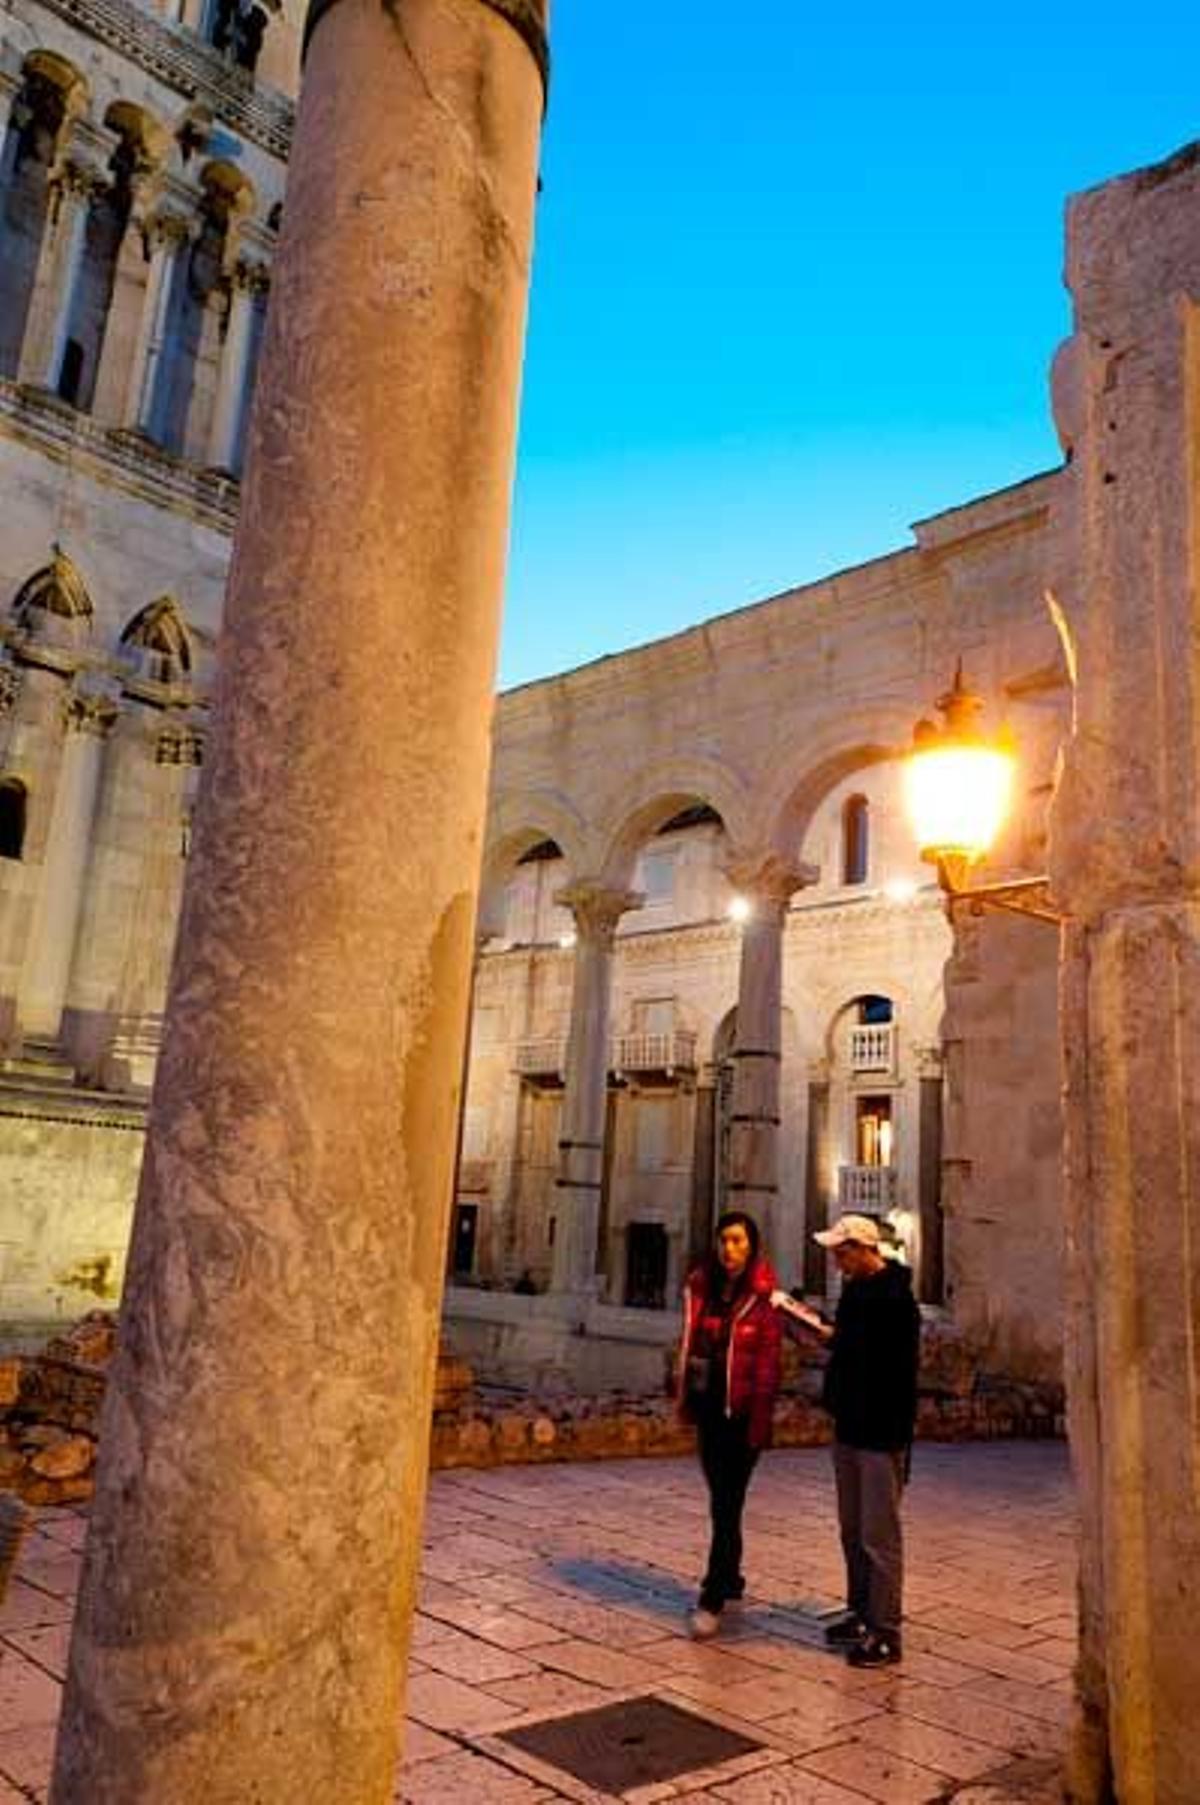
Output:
[[10, 687]]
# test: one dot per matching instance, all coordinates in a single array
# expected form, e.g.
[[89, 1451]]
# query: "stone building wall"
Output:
[[142, 165]]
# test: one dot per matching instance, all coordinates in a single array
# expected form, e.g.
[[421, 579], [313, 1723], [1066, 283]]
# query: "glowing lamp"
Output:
[[739, 909], [958, 784]]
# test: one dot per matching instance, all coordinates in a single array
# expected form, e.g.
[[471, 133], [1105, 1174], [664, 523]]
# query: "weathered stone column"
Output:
[[248, 1583], [247, 281], [585, 1091], [166, 234], [767, 882], [87, 718], [1125, 861], [53, 299]]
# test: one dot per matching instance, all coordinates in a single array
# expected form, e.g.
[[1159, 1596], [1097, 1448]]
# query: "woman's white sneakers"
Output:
[[704, 1624]]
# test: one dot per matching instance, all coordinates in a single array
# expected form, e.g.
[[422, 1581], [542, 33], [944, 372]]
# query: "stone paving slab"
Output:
[[548, 1590]]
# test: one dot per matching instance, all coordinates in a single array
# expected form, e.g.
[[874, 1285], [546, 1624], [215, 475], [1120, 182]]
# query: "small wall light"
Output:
[[739, 909]]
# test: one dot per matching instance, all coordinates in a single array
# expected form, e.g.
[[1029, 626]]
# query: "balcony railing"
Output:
[[672, 1051], [544, 1058], [873, 1049], [867, 1190]]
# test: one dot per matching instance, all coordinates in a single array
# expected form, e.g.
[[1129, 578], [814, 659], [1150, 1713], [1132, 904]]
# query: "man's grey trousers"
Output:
[[869, 1489]]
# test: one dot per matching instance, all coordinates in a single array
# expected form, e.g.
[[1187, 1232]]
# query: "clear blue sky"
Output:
[[797, 283]]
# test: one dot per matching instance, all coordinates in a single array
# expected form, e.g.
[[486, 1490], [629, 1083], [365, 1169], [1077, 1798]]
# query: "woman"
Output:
[[728, 1377]]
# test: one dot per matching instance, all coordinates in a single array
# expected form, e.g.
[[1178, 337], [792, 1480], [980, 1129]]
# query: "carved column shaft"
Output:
[[752, 1181], [167, 234], [247, 282], [87, 719], [249, 1578], [52, 303], [580, 1178]]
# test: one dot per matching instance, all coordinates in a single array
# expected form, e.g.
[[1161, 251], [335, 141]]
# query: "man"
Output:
[[871, 1393]]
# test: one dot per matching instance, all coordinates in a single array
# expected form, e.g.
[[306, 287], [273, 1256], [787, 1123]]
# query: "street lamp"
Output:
[[958, 786]]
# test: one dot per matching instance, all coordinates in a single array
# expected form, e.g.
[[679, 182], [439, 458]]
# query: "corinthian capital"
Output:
[[84, 712], [168, 229], [597, 909], [766, 878]]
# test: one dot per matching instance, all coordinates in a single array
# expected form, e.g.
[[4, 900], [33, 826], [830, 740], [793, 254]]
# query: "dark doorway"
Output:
[[646, 1266], [466, 1233]]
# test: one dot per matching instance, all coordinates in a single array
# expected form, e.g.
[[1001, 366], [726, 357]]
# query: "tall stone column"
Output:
[[1125, 862], [596, 912], [247, 281], [166, 235], [43, 989], [55, 286], [767, 882], [249, 1577]]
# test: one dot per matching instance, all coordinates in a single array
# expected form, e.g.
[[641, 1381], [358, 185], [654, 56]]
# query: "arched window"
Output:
[[12, 818], [27, 156], [855, 840]]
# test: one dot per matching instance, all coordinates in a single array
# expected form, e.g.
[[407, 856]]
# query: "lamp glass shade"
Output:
[[958, 796]]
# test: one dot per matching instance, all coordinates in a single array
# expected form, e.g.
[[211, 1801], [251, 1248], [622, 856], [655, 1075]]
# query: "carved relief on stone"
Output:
[[767, 878], [10, 688], [179, 745], [86, 712], [597, 909]]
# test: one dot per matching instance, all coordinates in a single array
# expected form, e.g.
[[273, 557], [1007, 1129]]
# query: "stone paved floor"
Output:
[[548, 1589]]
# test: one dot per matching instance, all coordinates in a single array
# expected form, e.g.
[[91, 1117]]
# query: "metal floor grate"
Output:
[[632, 1742]]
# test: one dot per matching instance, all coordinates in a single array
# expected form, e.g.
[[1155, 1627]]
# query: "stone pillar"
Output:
[[166, 234], [596, 912], [61, 262], [818, 1164], [931, 1287], [43, 988], [249, 1576], [767, 883], [247, 281], [1125, 859]]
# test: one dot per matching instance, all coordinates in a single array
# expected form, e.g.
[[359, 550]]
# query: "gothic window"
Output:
[[158, 634], [26, 157], [12, 818], [855, 840], [237, 27]]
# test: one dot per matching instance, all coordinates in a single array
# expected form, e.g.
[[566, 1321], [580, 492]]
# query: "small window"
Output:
[[464, 1239], [656, 877], [12, 818], [855, 841], [874, 1011]]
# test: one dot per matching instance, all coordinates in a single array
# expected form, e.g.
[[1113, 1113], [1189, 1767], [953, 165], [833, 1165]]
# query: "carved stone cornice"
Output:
[[527, 18], [126, 460], [176, 55]]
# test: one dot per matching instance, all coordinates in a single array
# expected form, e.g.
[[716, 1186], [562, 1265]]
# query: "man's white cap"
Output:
[[862, 1229]]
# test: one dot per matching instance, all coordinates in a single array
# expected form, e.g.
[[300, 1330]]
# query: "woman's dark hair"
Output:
[[717, 1276]]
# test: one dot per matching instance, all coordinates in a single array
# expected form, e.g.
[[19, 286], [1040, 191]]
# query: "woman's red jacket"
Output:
[[752, 1375]]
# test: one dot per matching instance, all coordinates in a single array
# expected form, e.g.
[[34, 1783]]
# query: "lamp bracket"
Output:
[[1018, 896]]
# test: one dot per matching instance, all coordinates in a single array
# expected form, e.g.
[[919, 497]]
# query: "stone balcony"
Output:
[[544, 1058], [873, 1050], [866, 1190]]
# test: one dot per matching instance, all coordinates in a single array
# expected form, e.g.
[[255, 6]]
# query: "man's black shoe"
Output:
[[875, 1651], [847, 1632]]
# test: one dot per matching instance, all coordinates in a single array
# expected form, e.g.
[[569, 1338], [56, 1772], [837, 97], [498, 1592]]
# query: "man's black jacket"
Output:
[[871, 1381]]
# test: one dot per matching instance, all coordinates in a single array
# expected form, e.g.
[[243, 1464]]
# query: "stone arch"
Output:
[[791, 801], [54, 602], [516, 824], [158, 634], [661, 792], [51, 95]]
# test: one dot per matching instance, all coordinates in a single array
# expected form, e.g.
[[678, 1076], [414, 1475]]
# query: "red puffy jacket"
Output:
[[752, 1374]]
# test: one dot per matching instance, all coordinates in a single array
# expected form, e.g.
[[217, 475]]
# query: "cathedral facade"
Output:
[[711, 969]]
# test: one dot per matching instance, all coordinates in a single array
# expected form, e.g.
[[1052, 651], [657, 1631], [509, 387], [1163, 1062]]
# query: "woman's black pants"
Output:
[[728, 1461]]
